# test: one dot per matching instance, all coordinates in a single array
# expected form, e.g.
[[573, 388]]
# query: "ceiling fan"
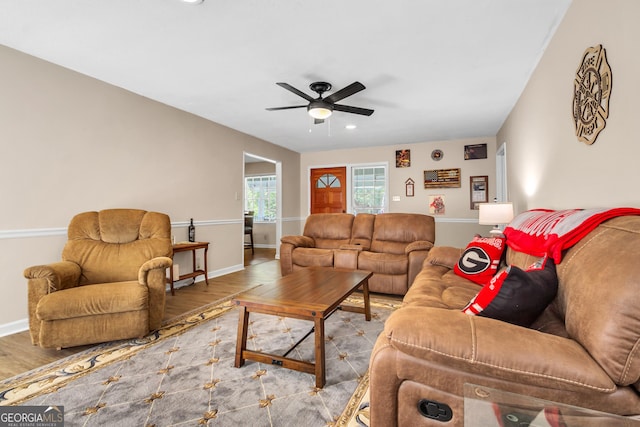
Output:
[[321, 108]]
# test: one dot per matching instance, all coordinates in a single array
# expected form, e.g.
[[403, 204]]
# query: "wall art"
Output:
[[403, 158], [442, 178], [591, 92], [475, 151], [409, 187], [478, 191], [437, 205]]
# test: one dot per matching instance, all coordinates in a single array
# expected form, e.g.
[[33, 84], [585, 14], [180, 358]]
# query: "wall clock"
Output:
[[592, 88]]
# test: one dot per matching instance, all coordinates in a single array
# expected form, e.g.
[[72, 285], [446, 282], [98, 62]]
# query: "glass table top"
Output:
[[487, 407]]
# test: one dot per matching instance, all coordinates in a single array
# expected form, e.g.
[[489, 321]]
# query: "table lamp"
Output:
[[495, 214]]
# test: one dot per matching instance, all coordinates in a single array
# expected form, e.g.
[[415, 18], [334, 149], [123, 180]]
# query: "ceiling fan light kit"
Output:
[[321, 108]]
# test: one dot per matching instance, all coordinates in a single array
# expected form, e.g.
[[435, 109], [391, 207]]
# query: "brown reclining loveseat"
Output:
[[391, 245]]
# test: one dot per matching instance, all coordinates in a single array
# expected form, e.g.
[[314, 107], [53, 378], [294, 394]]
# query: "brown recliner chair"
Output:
[[110, 284]]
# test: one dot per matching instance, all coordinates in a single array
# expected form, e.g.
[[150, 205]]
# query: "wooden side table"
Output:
[[193, 247]]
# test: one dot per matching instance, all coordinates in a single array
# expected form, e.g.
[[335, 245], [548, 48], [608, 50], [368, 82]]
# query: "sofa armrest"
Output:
[[299, 241], [153, 274], [287, 246], [43, 280], [56, 276], [347, 257], [418, 245], [445, 256], [492, 348], [158, 263]]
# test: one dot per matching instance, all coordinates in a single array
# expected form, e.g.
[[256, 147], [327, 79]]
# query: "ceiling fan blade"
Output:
[[290, 88], [318, 121], [354, 87], [354, 110], [285, 108]]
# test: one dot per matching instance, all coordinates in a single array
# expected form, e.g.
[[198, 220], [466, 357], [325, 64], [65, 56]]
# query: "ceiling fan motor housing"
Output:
[[320, 87]]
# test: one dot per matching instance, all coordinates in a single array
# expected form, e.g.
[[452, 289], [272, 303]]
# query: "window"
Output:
[[369, 185], [328, 180], [260, 197]]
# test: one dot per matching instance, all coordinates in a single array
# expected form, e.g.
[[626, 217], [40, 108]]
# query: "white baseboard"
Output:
[[14, 327], [264, 246], [23, 324], [223, 271]]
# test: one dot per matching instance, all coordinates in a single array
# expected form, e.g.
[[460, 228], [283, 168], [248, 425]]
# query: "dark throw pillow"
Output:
[[517, 296], [481, 259]]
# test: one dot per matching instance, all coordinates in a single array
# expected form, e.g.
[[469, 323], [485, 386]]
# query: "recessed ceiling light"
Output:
[[193, 1], [350, 127]]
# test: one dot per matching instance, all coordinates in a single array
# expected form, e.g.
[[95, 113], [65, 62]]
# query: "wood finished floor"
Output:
[[18, 355]]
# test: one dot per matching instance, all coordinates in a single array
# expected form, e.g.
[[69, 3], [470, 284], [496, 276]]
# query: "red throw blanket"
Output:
[[542, 232]]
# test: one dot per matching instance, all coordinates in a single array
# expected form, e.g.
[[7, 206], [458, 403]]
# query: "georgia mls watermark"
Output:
[[31, 416]]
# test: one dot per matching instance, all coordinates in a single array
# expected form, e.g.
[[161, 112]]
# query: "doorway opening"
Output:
[[267, 230]]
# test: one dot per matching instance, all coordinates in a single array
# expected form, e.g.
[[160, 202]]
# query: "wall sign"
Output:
[[592, 88]]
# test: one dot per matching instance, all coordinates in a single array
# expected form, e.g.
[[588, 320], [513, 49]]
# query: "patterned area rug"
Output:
[[183, 374]]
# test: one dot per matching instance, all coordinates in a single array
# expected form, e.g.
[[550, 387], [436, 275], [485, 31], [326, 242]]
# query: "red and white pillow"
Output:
[[481, 259], [517, 296]]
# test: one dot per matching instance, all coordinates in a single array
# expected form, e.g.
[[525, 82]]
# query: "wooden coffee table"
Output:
[[313, 293]]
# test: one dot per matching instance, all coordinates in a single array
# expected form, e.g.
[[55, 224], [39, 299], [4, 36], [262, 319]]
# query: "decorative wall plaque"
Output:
[[442, 178], [592, 88], [408, 187]]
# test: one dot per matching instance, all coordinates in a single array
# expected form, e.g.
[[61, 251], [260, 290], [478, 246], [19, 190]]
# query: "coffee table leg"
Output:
[[365, 296], [320, 355], [241, 343]]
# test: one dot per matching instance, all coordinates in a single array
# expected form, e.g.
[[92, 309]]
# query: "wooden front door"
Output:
[[328, 190]]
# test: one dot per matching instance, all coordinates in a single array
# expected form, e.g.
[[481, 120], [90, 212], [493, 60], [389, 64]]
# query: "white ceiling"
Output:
[[434, 69]]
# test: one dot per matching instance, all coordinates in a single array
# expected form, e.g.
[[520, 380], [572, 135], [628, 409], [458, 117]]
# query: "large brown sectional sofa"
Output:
[[391, 245], [584, 350]]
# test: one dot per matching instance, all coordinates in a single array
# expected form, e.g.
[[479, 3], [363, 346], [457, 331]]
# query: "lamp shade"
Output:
[[495, 213]]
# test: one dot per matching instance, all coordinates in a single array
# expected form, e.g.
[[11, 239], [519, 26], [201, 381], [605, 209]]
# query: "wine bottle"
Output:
[[192, 232]]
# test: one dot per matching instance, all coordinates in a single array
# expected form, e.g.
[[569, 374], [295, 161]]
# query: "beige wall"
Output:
[[459, 223], [547, 166], [71, 143]]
